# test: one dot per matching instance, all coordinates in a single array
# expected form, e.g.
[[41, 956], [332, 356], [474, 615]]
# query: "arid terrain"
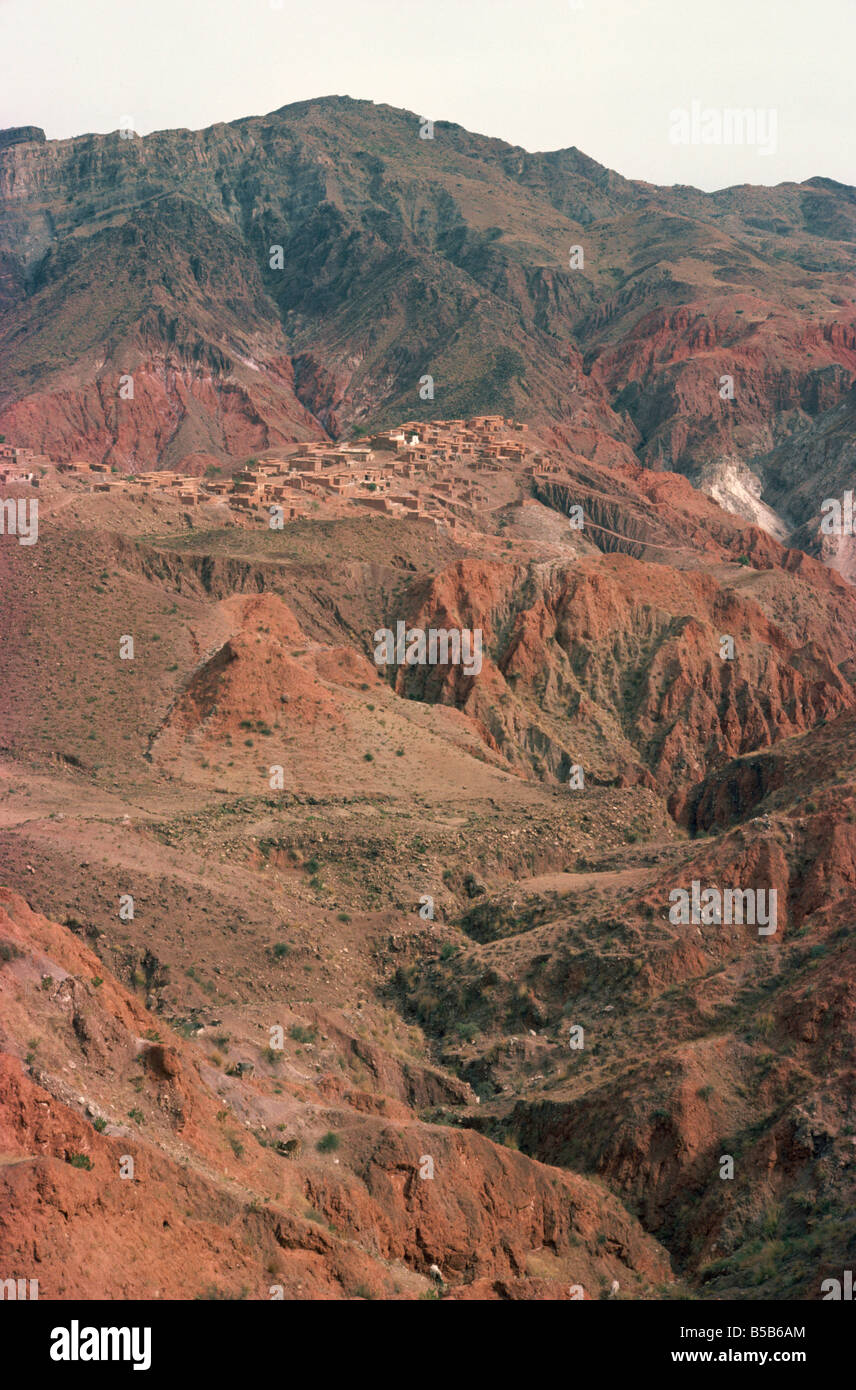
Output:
[[325, 977]]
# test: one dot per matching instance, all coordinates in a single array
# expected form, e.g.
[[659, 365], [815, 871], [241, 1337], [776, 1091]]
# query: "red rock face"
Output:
[[671, 361], [620, 644], [178, 1231], [177, 417]]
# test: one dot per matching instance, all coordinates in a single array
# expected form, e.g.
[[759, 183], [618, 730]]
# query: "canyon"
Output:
[[400, 1010]]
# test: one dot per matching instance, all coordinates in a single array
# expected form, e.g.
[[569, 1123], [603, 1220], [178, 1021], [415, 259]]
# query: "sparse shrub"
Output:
[[772, 1217]]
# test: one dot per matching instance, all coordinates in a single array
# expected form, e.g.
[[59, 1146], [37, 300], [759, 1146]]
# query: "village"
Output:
[[438, 471]]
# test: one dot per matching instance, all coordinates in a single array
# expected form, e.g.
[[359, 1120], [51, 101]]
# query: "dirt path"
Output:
[[571, 883]]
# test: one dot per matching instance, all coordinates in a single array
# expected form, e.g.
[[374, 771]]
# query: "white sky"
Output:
[[603, 75]]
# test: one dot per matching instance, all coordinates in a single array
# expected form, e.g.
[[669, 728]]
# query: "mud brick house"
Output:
[[77, 469]]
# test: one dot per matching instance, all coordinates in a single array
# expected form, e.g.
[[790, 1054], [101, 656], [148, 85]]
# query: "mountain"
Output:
[[371, 966], [403, 257]]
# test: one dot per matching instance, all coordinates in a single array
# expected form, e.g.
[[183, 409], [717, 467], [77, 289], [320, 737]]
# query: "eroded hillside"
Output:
[[314, 940]]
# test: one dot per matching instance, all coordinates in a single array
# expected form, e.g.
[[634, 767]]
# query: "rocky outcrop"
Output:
[[202, 1224], [618, 666], [20, 135]]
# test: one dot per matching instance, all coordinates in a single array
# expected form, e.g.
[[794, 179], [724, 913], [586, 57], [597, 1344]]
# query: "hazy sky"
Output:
[[603, 75]]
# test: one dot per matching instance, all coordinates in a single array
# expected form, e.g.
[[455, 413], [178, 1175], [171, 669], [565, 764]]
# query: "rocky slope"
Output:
[[426, 906], [227, 1194]]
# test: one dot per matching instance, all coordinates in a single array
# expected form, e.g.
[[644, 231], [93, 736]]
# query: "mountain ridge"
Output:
[[322, 270]]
